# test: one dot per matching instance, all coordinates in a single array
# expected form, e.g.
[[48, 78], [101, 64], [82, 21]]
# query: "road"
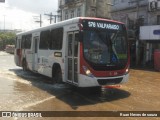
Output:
[[27, 91]]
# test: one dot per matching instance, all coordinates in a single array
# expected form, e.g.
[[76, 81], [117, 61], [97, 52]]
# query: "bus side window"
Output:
[[76, 45], [16, 43], [28, 41], [23, 42], [56, 39], [44, 40], [70, 37], [19, 43]]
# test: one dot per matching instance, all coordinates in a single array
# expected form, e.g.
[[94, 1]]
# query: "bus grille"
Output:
[[110, 81]]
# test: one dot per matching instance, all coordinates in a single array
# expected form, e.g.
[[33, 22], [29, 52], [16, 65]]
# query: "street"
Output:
[[27, 91]]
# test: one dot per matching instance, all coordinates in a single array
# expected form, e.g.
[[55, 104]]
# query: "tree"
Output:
[[7, 38]]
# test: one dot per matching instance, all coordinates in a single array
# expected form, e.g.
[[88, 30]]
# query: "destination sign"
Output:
[[156, 32], [101, 25]]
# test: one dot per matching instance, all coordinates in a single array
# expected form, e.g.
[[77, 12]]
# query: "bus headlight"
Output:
[[127, 70], [87, 71]]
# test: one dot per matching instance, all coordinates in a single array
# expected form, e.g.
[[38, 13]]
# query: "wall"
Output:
[[126, 4], [104, 9], [89, 8], [126, 12], [71, 8]]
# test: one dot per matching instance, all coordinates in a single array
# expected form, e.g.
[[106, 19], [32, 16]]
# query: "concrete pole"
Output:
[[4, 22], [137, 38]]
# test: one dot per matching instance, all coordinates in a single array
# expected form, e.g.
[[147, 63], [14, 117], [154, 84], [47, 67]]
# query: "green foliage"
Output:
[[7, 38]]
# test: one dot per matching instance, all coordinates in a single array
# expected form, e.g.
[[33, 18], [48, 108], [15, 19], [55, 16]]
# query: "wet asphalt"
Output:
[[27, 91]]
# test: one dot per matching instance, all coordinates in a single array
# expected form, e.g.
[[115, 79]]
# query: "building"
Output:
[[139, 16], [86, 8]]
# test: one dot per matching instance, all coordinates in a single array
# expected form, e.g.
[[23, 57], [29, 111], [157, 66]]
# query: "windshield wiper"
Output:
[[113, 57]]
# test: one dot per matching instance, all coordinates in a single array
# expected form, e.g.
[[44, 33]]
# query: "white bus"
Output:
[[85, 52]]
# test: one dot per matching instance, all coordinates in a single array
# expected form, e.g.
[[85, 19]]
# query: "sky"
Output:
[[21, 14]]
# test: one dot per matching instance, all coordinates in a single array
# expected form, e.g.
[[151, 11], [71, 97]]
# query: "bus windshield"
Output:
[[107, 47]]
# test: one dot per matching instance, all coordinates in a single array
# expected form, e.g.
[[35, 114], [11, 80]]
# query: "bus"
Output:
[[83, 51]]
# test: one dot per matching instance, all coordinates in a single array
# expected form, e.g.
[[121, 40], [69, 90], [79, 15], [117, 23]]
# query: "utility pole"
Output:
[[40, 20], [4, 22], [4, 41], [137, 37], [55, 18], [51, 17]]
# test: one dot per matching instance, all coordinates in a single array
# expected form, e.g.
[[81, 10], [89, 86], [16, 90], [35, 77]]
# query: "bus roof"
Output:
[[67, 22]]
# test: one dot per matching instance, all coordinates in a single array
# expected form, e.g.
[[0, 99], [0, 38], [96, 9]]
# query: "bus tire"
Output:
[[24, 65], [57, 73]]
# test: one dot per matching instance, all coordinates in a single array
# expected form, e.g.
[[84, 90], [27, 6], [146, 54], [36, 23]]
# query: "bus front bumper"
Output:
[[85, 81]]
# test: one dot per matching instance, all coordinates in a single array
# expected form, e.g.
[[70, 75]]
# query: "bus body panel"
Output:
[[46, 61]]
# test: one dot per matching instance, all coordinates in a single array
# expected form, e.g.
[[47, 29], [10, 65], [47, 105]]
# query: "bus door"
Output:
[[35, 53], [18, 53], [72, 57]]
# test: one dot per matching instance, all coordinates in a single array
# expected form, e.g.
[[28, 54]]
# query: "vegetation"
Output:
[[7, 38]]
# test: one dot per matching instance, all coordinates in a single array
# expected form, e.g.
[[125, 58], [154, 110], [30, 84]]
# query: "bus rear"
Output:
[[104, 53]]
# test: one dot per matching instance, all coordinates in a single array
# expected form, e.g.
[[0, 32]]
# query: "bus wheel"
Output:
[[57, 76], [24, 65]]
